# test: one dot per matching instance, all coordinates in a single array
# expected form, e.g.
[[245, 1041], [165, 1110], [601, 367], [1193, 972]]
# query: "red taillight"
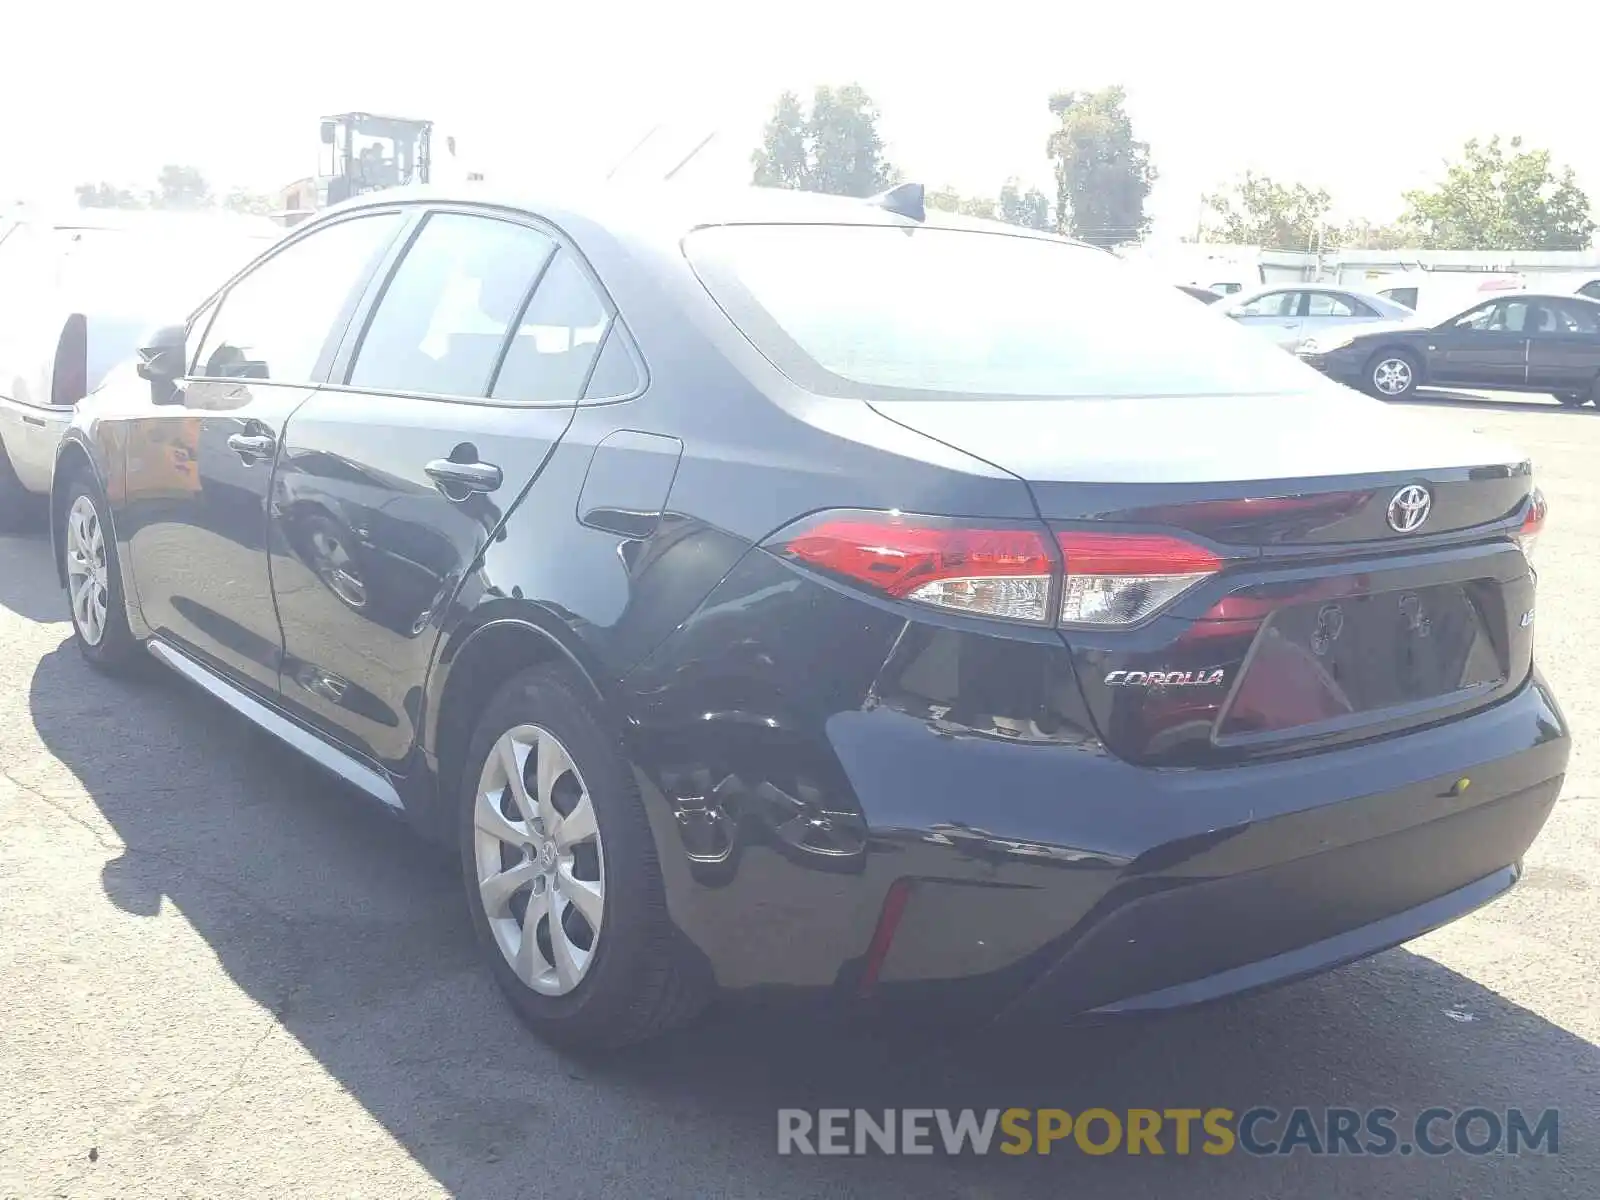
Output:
[[1532, 523], [1118, 579], [1111, 579], [954, 565], [69, 382]]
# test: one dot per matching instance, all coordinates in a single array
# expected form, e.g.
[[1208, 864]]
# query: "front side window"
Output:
[[929, 312], [1273, 304], [442, 321], [276, 322]]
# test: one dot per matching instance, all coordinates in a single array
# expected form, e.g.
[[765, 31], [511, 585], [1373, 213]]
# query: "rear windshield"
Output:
[[885, 311]]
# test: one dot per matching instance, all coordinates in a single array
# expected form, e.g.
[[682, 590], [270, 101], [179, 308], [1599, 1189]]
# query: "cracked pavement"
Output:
[[223, 975]]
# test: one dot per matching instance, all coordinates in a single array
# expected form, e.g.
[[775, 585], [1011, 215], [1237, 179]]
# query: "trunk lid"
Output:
[[1332, 618]]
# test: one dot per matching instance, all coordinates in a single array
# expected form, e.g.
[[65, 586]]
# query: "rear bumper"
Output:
[[1059, 877]]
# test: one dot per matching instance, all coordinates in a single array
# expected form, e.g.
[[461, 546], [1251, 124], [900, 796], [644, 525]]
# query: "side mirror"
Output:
[[327, 133], [163, 359]]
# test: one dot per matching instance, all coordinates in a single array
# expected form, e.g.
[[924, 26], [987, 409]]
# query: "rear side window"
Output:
[[443, 318], [557, 339], [275, 322], [1591, 289], [929, 312], [1401, 295], [1326, 304]]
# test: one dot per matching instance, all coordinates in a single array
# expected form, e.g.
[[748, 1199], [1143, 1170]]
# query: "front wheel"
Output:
[[562, 879], [94, 581], [1392, 374], [1571, 399]]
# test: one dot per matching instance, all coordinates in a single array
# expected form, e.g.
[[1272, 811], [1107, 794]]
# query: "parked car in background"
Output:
[[78, 293], [1588, 286], [767, 591], [1522, 341], [1287, 313]]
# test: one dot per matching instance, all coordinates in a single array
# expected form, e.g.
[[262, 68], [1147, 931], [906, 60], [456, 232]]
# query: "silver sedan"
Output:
[[1290, 313]]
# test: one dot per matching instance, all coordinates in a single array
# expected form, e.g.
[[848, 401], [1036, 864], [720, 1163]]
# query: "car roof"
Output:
[[669, 211]]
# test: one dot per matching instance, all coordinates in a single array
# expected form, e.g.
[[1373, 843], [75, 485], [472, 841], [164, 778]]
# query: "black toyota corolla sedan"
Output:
[[781, 593], [1519, 342]]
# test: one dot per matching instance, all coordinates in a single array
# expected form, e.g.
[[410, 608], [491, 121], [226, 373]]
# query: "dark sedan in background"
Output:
[[1519, 341]]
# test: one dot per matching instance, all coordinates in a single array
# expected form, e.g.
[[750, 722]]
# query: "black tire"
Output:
[[17, 504], [116, 651], [636, 985], [1594, 392], [1571, 399], [1378, 367]]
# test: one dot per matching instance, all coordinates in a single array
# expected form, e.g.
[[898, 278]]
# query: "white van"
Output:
[[1440, 293]]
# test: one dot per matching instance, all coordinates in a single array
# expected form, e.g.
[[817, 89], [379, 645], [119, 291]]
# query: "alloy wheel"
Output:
[[1392, 376], [540, 866], [87, 579]]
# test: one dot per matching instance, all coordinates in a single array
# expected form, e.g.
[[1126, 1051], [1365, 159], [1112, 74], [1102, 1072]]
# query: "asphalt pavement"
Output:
[[223, 975]]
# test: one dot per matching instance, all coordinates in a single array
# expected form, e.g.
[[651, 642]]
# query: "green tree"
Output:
[[783, 159], [1501, 198], [950, 200], [105, 195], [836, 148], [1364, 235], [181, 187], [1103, 175], [241, 200], [1259, 211], [1030, 209]]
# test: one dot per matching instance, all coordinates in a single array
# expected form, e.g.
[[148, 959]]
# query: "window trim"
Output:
[[321, 367], [349, 349]]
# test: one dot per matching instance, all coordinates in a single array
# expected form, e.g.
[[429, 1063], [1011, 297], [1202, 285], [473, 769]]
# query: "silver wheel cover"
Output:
[[87, 578], [1392, 376], [539, 862]]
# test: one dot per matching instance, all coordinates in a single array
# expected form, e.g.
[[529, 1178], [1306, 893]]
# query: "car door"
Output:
[[1564, 347], [1484, 347], [463, 376], [199, 468], [1276, 315]]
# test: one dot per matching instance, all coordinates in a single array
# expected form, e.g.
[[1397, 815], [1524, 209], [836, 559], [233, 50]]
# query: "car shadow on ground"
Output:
[[352, 934], [1504, 401], [24, 561]]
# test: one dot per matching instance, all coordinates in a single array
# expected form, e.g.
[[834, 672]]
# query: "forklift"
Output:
[[364, 152]]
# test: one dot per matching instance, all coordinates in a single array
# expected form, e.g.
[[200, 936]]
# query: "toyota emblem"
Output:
[[1409, 508]]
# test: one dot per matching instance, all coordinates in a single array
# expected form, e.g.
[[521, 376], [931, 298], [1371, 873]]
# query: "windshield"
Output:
[[160, 275], [881, 311]]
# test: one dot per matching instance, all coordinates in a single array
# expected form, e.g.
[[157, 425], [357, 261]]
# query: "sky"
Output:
[[1364, 99]]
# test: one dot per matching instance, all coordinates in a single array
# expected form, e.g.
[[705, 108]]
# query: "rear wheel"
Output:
[[1392, 374], [94, 582], [1571, 399], [561, 872]]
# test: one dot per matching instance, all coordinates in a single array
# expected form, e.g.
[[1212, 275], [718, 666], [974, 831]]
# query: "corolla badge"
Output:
[[1206, 677], [1409, 508]]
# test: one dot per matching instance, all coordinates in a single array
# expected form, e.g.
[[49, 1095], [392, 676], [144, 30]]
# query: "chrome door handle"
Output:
[[451, 476], [253, 446]]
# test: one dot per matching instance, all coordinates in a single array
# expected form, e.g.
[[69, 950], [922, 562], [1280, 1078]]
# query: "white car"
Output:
[[1290, 313], [78, 291]]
